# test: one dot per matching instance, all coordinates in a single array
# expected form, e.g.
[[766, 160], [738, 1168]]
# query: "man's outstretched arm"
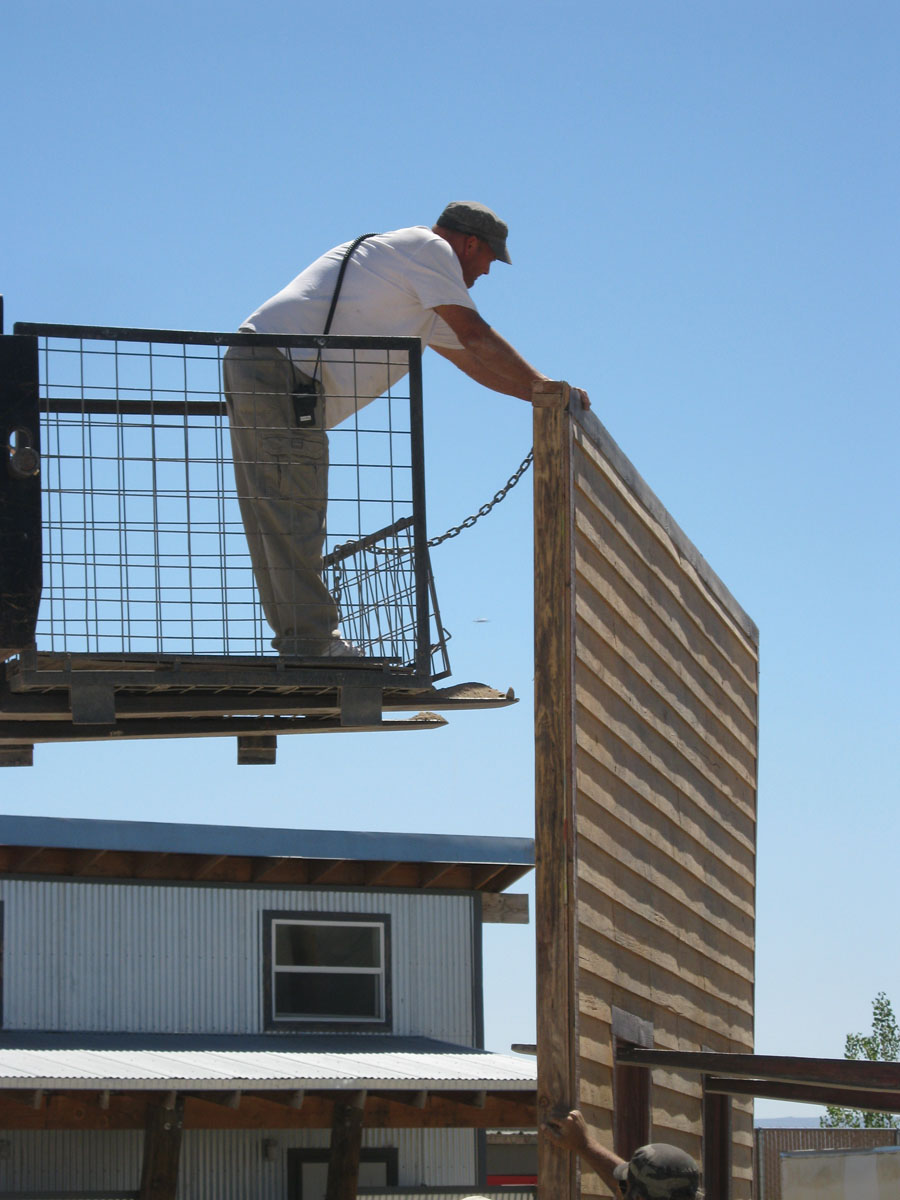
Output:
[[571, 1133], [487, 357], [471, 366]]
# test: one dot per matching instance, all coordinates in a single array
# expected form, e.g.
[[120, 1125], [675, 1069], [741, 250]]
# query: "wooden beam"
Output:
[[481, 876], [320, 872], [501, 908], [826, 1072], [40, 731], [263, 867], [73, 1111], [148, 863], [83, 861], [431, 874], [162, 1151], [506, 1110], [207, 864], [376, 872], [79, 1110], [554, 820], [21, 860], [256, 751], [805, 1093], [16, 754], [632, 1109], [230, 1099], [346, 1142]]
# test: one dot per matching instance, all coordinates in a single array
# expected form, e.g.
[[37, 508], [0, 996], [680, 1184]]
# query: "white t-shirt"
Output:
[[391, 287]]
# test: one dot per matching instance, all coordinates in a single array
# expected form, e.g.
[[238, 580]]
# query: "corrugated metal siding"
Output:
[[772, 1143], [220, 1165], [166, 959], [443, 1157], [70, 1159]]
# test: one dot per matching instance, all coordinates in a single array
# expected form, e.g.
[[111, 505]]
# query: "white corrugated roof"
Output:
[[214, 1070]]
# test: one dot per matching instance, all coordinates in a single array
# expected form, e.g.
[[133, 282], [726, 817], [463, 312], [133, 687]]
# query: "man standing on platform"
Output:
[[412, 283]]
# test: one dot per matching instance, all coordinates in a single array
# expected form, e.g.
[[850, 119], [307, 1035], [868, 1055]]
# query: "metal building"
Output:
[[195, 1012]]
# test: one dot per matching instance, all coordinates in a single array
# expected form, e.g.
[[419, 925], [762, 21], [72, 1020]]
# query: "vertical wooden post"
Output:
[[162, 1150], [632, 1109], [717, 1144], [346, 1141], [554, 781]]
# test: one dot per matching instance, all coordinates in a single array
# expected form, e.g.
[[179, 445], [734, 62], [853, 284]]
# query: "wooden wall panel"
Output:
[[645, 791]]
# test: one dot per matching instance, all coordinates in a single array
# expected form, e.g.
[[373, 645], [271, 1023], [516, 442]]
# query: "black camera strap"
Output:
[[348, 254], [305, 403]]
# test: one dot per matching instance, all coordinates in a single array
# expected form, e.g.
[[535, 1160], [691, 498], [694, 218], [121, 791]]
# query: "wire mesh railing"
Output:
[[147, 546]]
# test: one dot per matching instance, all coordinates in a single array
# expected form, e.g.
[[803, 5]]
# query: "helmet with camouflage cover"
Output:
[[660, 1172]]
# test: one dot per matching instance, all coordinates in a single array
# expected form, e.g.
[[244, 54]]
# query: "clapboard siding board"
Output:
[[730, 911], [648, 771], [657, 798], [680, 949], [656, 668]]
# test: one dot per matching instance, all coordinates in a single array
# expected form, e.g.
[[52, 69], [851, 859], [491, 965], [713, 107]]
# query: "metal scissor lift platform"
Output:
[[128, 607]]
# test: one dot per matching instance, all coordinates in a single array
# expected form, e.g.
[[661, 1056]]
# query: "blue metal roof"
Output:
[[247, 840]]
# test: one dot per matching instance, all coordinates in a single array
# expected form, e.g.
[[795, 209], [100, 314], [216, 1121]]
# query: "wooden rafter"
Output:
[[167, 866]]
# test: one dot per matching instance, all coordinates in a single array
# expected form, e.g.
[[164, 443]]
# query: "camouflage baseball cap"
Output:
[[660, 1172], [468, 216]]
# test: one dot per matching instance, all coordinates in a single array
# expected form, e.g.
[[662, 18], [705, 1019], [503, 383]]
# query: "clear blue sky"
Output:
[[703, 202]]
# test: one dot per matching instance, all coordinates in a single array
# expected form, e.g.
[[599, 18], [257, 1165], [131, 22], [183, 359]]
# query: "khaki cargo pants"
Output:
[[281, 471]]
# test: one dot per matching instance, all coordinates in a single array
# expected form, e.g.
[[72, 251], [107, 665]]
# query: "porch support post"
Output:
[[162, 1149], [346, 1141]]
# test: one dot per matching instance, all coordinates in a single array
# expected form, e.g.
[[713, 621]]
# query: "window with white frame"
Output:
[[327, 970]]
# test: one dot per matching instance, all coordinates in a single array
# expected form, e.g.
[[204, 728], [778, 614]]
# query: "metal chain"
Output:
[[456, 530]]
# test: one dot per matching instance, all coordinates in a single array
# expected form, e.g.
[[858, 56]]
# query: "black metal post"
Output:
[[420, 524], [20, 494]]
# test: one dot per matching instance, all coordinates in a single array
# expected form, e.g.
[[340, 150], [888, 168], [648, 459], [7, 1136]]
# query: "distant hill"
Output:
[[787, 1123]]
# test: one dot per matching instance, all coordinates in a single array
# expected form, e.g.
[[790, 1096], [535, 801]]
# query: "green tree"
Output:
[[881, 1045]]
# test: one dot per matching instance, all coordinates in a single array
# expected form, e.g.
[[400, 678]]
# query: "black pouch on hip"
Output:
[[306, 397]]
